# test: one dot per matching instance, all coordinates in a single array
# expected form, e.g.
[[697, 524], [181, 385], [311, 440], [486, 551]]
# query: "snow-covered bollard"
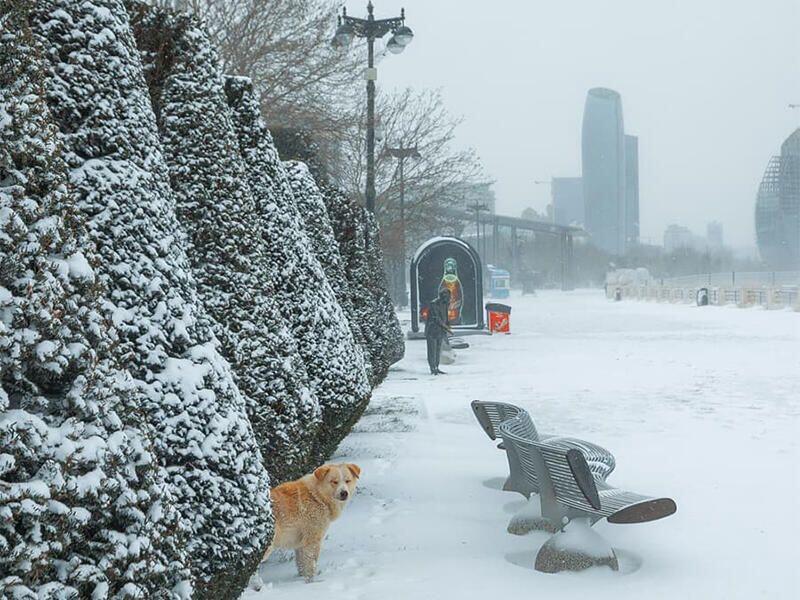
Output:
[[575, 548]]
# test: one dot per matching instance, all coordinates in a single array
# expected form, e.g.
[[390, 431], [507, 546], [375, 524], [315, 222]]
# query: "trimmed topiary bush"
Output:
[[358, 237], [99, 100], [334, 363], [311, 206], [227, 242], [83, 506]]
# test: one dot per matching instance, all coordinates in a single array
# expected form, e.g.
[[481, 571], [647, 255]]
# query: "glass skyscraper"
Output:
[[631, 190], [603, 157], [778, 208], [568, 207]]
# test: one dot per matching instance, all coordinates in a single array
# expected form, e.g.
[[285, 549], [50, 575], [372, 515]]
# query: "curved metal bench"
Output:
[[491, 414], [569, 489]]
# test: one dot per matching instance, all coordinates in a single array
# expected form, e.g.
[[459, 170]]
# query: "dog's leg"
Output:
[[255, 580], [310, 554], [305, 564]]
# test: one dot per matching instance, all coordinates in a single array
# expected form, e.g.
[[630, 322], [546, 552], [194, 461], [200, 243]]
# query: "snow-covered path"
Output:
[[700, 404]]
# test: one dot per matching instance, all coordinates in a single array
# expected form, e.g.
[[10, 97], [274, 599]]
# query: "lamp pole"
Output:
[[478, 208], [372, 29], [401, 154]]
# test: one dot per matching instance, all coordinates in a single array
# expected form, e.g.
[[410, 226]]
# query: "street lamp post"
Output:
[[372, 29], [478, 208], [401, 154]]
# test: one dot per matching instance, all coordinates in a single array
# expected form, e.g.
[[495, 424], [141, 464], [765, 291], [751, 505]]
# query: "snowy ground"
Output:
[[700, 404]]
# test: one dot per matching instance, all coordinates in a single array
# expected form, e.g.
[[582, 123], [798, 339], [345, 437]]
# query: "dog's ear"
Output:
[[321, 472], [355, 470]]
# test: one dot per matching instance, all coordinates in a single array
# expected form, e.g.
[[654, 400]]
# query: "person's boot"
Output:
[[440, 372]]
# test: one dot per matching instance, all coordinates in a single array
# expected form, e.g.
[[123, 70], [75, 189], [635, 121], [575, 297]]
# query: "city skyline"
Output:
[[520, 80]]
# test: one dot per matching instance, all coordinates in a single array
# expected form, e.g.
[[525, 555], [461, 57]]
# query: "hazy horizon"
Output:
[[705, 86]]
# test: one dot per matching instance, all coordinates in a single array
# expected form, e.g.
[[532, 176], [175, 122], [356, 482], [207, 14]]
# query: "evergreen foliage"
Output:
[[178, 309], [83, 510], [358, 236], [311, 207], [100, 103], [227, 242], [333, 360]]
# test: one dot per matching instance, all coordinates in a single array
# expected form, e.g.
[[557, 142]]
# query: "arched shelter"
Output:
[[447, 262]]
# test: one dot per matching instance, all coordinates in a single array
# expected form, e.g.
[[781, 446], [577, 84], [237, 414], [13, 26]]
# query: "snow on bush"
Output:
[[228, 244], [98, 97], [311, 206], [358, 236], [334, 362], [83, 510]]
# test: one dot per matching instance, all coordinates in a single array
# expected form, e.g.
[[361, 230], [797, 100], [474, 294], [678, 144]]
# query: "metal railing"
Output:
[[734, 279], [770, 289]]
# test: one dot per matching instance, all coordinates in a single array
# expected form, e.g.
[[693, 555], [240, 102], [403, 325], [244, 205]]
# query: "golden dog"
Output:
[[304, 509]]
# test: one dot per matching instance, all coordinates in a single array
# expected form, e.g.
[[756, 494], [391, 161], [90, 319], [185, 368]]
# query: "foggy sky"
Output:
[[705, 85]]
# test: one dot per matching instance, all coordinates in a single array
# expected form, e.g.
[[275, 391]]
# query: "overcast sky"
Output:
[[705, 85]]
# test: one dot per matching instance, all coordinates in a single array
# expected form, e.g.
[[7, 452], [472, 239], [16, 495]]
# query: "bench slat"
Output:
[[573, 482]]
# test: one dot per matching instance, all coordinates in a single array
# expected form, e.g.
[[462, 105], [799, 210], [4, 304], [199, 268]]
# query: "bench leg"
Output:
[[511, 485], [529, 518], [576, 548]]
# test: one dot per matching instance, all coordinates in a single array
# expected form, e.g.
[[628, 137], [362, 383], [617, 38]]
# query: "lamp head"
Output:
[[403, 35], [344, 35]]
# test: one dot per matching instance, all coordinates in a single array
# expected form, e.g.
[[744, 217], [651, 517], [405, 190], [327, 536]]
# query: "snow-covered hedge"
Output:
[[227, 242], [358, 236], [98, 97], [311, 206], [334, 363], [176, 310], [83, 507]]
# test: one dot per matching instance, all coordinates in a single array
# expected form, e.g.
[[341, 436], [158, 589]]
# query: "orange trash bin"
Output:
[[499, 317]]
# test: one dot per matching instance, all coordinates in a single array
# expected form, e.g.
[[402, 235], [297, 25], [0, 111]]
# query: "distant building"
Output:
[[714, 237], [631, 190], [677, 237], [568, 206], [778, 208], [603, 158]]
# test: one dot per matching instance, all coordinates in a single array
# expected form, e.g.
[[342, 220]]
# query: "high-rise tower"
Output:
[[631, 190], [603, 154], [778, 208]]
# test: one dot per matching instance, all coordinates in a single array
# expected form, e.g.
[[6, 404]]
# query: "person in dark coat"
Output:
[[436, 329]]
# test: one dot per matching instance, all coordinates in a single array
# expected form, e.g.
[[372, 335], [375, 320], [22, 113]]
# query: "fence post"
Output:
[[733, 278]]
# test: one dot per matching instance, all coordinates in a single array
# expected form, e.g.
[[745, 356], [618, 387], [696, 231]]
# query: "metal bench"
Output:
[[569, 489], [491, 414]]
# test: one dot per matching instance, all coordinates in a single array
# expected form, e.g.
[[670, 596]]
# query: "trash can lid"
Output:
[[497, 307]]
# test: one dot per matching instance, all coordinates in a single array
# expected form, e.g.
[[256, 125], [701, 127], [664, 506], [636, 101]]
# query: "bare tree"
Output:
[[284, 47], [433, 182]]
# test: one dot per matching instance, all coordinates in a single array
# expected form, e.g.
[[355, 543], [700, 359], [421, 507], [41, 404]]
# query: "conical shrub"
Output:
[[99, 100], [311, 206], [335, 364], [227, 242], [358, 236], [83, 506]]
